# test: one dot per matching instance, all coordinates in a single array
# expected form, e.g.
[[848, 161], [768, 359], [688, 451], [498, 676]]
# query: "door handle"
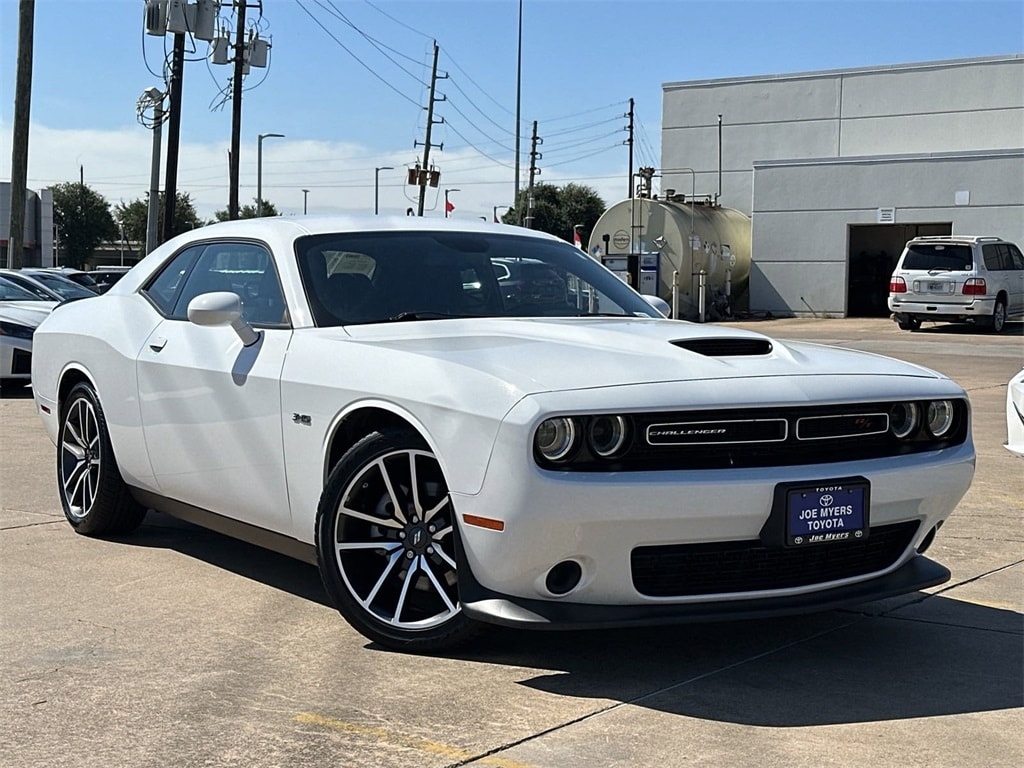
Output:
[[157, 344]]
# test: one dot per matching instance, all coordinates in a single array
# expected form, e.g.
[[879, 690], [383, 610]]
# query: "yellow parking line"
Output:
[[386, 736]]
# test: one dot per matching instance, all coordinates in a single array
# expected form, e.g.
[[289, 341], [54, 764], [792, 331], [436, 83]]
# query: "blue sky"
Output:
[[346, 85]]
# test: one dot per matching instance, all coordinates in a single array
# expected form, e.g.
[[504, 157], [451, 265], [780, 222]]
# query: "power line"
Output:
[[361, 63]]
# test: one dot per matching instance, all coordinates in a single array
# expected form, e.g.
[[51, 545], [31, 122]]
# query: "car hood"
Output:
[[536, 355], [27, 313]]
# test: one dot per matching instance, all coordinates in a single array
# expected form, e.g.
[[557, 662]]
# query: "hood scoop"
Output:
[[726, 347]]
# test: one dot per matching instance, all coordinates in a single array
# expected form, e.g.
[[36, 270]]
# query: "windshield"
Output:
[[66, 289], [11, 292], [938, 256], [394, 276]]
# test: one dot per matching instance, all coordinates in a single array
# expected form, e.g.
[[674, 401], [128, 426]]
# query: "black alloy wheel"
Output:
[[95, 499], [386, 545]]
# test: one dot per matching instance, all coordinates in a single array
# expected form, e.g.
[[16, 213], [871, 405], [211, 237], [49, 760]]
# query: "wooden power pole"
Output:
[[19, 149]]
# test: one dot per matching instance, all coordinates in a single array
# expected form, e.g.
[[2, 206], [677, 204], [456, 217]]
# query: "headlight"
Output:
[[15, 330], [903, 419], [556, 438], [939, 417], [606, 435]]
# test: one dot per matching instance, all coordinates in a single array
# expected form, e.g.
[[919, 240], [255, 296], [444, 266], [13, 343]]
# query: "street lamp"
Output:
[[259, 168], [376, 187], [448, 206], [495, 209], [305, 198]]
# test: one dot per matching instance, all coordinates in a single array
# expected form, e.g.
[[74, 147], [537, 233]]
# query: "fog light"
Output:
[[556, 438], [940, 417], [564, 577], [903, 419]]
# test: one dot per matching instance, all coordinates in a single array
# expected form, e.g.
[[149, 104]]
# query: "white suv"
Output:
[[956, 279]]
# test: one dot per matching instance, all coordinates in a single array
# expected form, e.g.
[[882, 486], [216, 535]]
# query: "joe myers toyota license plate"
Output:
[[827, 512]]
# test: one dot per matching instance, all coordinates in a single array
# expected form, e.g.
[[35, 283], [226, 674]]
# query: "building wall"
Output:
[[803, 211], [37, 236], [807, 155]]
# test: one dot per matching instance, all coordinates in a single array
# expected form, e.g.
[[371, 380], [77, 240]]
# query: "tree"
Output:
[[249, 211], [83, 220], [134, 217], [558, 210]]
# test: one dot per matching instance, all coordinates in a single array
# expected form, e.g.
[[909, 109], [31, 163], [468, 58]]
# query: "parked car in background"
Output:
[[1015, 414], [958, 278], [33, 286], [21, 312], [76, 275], [65, 288], [365, 394], [104, 277]]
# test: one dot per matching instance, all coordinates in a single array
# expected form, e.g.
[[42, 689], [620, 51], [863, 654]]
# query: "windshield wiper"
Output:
[[402, 316]]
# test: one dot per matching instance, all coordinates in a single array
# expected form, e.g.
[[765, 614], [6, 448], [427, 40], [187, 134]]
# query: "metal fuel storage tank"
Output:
[[692, 254]]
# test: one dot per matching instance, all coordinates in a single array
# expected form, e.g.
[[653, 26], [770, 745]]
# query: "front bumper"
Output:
[[597, 520], [485, 605]]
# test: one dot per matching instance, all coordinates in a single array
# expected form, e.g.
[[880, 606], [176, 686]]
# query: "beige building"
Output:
[[838, 169]]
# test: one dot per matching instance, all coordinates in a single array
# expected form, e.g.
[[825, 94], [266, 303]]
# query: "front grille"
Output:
[[781, 436], [681, 570]]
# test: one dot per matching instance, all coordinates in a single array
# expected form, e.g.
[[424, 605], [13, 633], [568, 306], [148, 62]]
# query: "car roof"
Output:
[[967, 239], [299, 226]]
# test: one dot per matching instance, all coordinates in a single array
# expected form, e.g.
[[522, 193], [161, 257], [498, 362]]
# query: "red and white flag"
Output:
[[576, 239], [449, 206]]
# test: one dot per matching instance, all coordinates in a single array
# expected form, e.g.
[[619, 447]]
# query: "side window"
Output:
[[166, 287], [991, 255], [1016, 257], [246, 269]]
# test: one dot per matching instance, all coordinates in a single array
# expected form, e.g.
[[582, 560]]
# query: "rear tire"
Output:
[[92, 492], [998, 320], [908, 322]]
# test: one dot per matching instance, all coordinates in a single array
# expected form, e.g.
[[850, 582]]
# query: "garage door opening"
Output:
[[872, 256]]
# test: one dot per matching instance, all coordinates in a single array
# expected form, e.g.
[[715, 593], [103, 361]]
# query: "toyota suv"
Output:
[[957, 278]]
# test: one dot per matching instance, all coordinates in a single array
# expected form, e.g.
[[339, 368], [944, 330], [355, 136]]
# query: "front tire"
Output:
[[386, 545], [94, 496]]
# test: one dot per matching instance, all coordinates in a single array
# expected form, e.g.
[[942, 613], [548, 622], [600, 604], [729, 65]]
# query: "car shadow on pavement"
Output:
[[839, 667], [918, 656], [969, 329], [284, 573]]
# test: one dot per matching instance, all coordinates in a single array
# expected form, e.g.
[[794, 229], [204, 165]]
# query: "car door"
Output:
[[211, 405]]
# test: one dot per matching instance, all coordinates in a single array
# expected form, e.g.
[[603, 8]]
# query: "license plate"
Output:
[[826, 512], [937, 287]]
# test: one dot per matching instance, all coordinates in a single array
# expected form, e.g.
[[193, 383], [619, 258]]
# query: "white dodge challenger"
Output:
[[472, 424]]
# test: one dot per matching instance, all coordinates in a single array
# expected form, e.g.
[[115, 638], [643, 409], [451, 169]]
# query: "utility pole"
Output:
[[430, 124], [519, 97], [236, 111], [153, 210], [173, 135], [19, 148], [534, 171], [629, 142]]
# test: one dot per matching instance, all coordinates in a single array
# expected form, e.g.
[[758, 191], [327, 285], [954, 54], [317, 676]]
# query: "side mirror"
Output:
[[660, 305], [222, 308]]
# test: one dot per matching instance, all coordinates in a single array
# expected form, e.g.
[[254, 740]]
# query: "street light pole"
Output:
[[259, 168], [376, 187], [446, 200], [495, 211], [305, 197]]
